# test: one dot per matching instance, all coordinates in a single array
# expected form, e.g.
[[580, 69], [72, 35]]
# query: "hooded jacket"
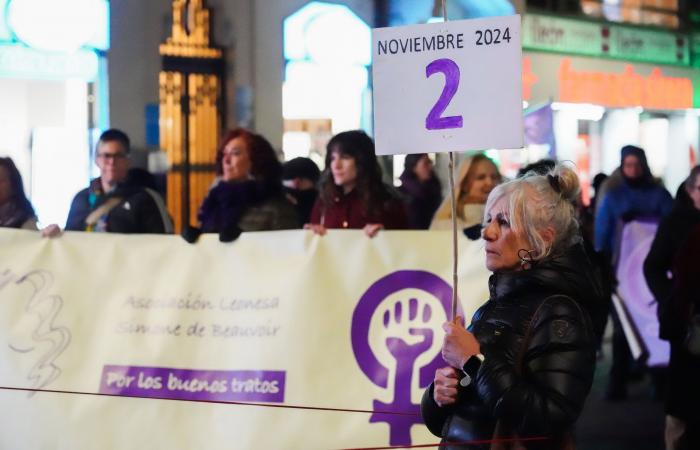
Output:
[[640, 197], [545, 395]]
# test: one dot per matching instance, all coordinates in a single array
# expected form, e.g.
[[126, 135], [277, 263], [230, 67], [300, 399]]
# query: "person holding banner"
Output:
[[248, 195], [478, 175], [671, 252], [16, 211], [524, 367], [113, 203], [352, 194], [422, 190]]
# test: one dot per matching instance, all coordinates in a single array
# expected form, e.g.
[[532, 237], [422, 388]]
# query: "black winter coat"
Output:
[[672, 233], [546, 398], [422, 200], [141, 210]]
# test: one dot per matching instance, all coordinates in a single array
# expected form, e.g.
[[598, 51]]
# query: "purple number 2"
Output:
[[434, 120]]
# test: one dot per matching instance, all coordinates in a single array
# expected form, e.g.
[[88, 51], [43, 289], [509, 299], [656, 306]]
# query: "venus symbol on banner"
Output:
[[451, 86], [400, 312]]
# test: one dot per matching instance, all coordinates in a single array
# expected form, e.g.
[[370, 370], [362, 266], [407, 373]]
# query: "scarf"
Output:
[[226, 203]]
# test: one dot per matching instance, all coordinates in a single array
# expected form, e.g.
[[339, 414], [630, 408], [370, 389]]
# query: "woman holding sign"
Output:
[[478, 176], [351, 192], [522, 370]]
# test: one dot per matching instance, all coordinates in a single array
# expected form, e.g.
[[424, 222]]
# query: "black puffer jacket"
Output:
[[558, 364]]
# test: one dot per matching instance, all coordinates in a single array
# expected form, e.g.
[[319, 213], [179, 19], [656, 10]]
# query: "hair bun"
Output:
[[566, 180]]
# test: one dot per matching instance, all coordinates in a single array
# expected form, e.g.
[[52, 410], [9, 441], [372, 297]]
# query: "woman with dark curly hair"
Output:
[[16, 210], [351, 192], [248, 195]]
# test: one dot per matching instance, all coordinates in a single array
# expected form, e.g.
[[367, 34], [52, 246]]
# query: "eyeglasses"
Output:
[[112, 156]]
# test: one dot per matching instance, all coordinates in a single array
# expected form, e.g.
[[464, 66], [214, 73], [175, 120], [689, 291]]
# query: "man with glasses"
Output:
[[112, 203]]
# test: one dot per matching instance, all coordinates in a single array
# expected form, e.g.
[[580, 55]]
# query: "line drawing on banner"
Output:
[[402, 309], [43, 308]]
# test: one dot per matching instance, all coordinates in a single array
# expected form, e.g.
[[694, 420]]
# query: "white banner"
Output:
[[279, 318]]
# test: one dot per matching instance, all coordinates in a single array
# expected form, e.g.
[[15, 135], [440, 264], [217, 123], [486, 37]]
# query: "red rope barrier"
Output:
[[455, 443], [220, 402], [272, 405]]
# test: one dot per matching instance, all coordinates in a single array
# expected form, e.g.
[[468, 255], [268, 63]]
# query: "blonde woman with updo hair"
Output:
[[524, 366], [477, 177]]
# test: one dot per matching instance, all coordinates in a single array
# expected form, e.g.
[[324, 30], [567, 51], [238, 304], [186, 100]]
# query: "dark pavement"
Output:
[[635, 424]]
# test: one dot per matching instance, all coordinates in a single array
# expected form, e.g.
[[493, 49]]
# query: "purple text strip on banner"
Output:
[[186, 384]]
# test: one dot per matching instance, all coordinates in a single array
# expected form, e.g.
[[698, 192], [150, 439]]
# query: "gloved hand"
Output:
[[230, 233], [191, 234]]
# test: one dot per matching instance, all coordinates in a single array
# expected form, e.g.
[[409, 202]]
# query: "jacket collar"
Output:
[[570, 274]]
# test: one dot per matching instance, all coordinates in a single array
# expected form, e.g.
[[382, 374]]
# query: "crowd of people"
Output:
[[525, 364]]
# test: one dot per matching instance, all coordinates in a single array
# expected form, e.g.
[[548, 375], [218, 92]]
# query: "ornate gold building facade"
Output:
[[191, 105]]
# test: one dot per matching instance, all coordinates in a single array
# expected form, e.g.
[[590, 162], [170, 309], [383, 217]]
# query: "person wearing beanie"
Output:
[[637, 196], [299, 177]]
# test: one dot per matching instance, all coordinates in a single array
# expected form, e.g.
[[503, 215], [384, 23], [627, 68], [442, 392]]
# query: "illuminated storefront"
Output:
[[612, 85], [53, 88], [326, 46]]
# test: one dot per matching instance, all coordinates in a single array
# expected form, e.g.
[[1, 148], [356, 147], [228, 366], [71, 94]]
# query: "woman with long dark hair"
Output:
[[351, 192], [248, 195], [16, 210]]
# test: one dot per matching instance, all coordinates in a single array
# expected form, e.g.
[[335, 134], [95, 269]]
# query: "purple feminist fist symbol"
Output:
[[409, 336]]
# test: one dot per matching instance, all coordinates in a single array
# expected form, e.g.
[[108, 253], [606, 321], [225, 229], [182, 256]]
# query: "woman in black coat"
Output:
[[674, 309], [524, 367]]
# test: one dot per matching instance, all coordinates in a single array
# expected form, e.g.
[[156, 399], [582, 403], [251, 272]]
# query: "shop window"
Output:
[[327, 49], [56, 26], [53, 86], [664, 13]]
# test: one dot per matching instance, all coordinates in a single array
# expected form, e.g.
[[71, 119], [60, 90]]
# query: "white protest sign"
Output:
[[450, 86]]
